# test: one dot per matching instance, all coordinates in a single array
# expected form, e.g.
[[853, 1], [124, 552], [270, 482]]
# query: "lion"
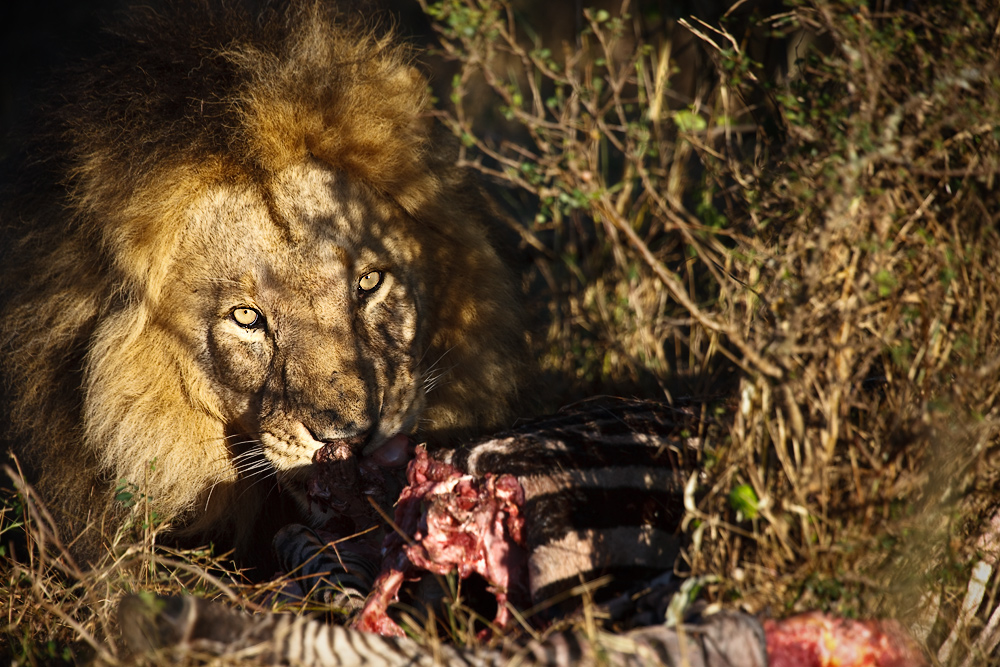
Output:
[[233, 239]]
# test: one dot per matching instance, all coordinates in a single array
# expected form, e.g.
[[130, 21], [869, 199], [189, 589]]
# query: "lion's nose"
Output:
[[350, 434]]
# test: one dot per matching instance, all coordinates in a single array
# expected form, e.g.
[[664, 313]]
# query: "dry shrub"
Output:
[[628, 279], [876, 250], [815, 251]]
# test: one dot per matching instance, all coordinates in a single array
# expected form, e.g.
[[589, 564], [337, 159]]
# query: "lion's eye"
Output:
[[370, 281], [248, 318]]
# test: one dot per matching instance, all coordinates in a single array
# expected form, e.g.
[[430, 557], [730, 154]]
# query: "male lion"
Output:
[[233, 239]]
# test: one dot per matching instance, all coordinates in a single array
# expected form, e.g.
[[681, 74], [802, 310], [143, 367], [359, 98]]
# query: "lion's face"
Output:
[[252, 240], [304, 315]]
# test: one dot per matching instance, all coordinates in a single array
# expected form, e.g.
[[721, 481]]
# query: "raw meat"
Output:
[[815, 639], [452, 521]]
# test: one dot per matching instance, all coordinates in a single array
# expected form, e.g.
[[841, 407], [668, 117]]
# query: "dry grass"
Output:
[[57, 612], [814, 246]]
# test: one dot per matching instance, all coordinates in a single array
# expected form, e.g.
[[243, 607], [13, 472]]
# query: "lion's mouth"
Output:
[[342, 484]]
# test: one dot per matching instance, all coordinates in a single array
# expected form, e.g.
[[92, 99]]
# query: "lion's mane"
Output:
[[94, 217]]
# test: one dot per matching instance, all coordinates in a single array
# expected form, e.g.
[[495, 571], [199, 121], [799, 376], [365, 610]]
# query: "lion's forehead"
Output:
[[307, 218], [317, 202]]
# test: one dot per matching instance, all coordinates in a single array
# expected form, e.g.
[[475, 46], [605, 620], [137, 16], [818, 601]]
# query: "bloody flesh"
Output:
[[452, 522]]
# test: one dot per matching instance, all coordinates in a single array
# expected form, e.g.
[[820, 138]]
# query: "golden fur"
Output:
[[211, 169]]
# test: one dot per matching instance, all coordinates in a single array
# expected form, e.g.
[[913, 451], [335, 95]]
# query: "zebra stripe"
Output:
[[585, 555], [339, 577], [195, 626]]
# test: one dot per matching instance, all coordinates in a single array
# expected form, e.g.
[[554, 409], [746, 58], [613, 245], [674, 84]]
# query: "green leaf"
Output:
[[690, 121], [744, 500], [125, 493]]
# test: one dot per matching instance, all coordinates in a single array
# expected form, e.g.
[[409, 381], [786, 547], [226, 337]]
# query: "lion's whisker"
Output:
[[234, 436], [255, 470], [256, 450], [433, 380], [255, 446], [256, 482], [438, 360], [434, 373]]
